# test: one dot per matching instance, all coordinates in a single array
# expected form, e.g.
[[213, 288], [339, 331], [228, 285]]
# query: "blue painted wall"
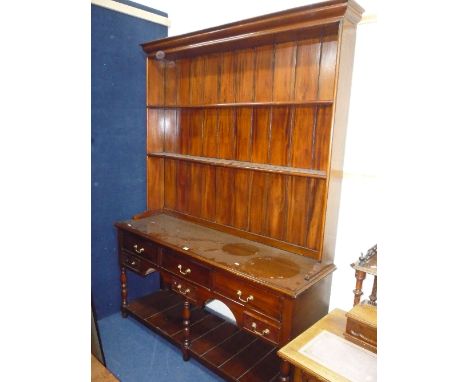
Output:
[[118, 131]]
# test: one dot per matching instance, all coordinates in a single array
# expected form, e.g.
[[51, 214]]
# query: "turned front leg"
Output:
[[186, 325], [284, 371], [360, 276], [373, 296], [123, 286]]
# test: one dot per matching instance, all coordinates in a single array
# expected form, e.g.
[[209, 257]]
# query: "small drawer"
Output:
[[361, 331], [137, 264], [184, 288], [140, 246], [185, 268], [247, 294], [261, 327]]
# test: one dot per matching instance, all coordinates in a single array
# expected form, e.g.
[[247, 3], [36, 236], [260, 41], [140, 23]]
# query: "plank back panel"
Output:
[[155, 139], [211, 78], [171, 131], [194, 113], [241, 195], [284, 71], [155, 72], [210, 136]]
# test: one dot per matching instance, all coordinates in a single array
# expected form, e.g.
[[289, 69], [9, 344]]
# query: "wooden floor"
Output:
[[232, 353], [99, 373]]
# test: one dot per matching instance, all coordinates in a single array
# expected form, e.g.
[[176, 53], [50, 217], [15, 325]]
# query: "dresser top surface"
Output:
[[285, 271]]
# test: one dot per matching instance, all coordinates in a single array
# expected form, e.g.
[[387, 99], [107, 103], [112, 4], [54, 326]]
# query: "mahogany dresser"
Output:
[[245, 141]]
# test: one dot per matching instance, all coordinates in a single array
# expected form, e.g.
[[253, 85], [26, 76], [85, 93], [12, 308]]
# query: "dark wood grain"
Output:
[[315, 213], [226, 134], [155, 303], [265, 369], [183, 187], [227, 79], [276, 206], [246, 135], [243, 104], [204, 343], [223, 352], [251, 166], [155, 133], [196, 125], [245, 68], [291, 21], [258, 195], [284, 71], [155, 185], [183, 91], [210, 136], [307, 69], [263, 73], [243, 134], [328, 64], [171, 131], [240, 195], [279, 136], [296, 223], [260, 135], [197, 79], [202, 327], [321, 143], [185, 131], [208, 208], [302, 137], [211, 78], [171, 83], [224, 186], [155, 82], [170, 183], [246, 359]]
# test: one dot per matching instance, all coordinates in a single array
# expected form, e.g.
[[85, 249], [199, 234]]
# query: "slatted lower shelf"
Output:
[[232, 353]]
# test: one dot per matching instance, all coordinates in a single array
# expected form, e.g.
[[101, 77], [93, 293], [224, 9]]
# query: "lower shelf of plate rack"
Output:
[[231, 352]]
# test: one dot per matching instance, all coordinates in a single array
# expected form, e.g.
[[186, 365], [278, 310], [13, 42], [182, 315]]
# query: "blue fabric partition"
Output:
[[118, 130]]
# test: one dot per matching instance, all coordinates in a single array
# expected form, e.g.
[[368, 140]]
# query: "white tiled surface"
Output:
[[342, 357]]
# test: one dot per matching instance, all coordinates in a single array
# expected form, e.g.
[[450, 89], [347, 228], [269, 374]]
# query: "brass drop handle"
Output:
[[135, 247], [179, 287], [187, 271], [131, 262], [239, 296], [264, 332]]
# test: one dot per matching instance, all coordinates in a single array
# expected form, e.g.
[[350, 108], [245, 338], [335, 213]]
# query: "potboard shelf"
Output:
[[286, 170], [233, 353]]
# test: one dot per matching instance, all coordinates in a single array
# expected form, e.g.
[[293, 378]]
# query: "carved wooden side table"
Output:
[[366, 265]]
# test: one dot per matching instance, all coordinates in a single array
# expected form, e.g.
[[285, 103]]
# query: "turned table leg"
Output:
[[284, 371], [123, 286], [360, 276], [373, 296], [186, 325]]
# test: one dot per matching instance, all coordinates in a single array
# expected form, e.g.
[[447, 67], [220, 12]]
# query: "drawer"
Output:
[[185, 268], [140, 246], [261, 327], [247, 294], [184, 288], [361, 331], [137, 264]]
